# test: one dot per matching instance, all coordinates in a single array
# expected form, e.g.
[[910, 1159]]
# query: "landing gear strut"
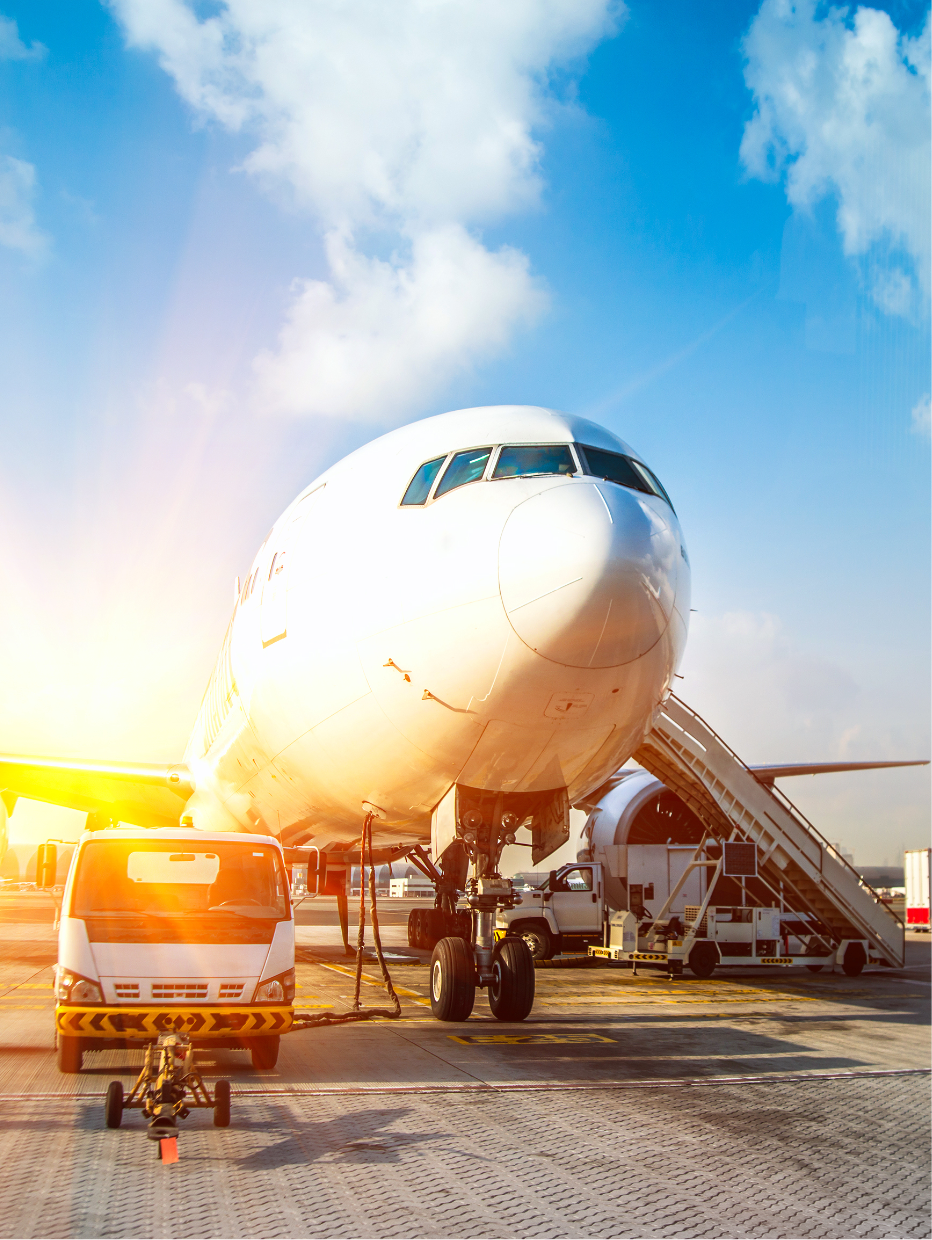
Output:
[[459, 965]]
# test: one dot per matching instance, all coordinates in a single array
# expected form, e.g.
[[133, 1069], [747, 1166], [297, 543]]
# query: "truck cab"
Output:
[[564, 914], [174, 930]]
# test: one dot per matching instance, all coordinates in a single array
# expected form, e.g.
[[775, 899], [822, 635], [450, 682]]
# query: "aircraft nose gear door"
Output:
[[575, 901]]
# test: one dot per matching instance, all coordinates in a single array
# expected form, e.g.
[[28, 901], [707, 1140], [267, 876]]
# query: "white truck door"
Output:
[[576, 901]]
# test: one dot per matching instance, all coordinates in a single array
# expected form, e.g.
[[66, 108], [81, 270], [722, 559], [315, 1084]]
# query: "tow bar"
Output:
[[166, 1089]]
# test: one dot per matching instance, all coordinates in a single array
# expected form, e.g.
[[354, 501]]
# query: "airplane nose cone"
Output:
[[587, 574]]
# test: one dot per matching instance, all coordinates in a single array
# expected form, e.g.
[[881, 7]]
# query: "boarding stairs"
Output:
[[794, 859]]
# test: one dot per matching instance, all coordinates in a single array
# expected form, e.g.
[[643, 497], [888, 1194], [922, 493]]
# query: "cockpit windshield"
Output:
[[419, 486], [624, 470], [465, 467], [530, 459], [175, 878]]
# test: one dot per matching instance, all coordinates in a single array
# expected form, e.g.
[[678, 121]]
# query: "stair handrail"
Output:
[[784, 801]]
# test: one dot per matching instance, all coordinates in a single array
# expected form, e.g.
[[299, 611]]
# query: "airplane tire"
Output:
[[434, 927], [222, 1104], [539, 941], [702, 960], [452, 980], [69, 1055], [113, 1107], [855, 959], [511, 990], [412, 928], [264, 1051]]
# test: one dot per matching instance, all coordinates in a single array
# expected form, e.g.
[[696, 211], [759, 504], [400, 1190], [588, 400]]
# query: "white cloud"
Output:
[[922, 416], [384, 335], [842, 107], [11, 45], [414, 120], [18, 229]]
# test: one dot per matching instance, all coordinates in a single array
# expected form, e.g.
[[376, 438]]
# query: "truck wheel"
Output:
[[452, 980], [264, 1051], [814, 968], [511, 990], [702, 959], [113, 1107], [855, 959], [69, 1054], [222, 1104], [539, 941], [412, 928]]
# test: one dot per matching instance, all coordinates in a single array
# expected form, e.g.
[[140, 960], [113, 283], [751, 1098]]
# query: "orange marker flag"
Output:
[[168, 1146]]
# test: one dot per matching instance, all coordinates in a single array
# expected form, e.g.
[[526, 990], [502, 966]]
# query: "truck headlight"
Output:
[[277, 989], [73, 988]]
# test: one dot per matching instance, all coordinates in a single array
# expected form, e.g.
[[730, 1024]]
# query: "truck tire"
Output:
[[855, 959], [264, 1051], [511, 990], [452, 980], [702, 959], [538, 938], [69, 1055], [113, 1106], [222, 1104], [814, 968]]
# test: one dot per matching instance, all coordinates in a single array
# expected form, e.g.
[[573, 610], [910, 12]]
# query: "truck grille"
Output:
[[231, 990], [127, 990], [179, 990]]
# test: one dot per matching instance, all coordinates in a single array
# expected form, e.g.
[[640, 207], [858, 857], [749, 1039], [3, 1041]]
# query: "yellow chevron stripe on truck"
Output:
[[149, 1022]]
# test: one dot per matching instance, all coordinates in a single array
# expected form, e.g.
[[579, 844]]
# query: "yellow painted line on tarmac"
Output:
[[377, 981], [25, 1007], [650, 1000], [526, 1039]]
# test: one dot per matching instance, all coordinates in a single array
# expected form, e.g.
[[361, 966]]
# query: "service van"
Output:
[[174, 930]]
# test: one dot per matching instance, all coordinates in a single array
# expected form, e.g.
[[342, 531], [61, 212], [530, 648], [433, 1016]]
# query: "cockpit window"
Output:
[[464, 467], [614, 467], [419, 486], [530, 459]]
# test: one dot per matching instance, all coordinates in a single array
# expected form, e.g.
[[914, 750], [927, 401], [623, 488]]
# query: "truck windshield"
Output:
[[178, 878]]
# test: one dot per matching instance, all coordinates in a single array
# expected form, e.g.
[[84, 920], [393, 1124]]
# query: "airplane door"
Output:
[[274, 611], [576, 906]]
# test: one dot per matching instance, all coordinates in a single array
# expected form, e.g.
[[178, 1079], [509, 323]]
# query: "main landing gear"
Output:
[[467, 955]]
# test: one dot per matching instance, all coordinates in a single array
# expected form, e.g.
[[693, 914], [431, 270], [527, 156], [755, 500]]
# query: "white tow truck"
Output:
[[173, 931], [651, 906]]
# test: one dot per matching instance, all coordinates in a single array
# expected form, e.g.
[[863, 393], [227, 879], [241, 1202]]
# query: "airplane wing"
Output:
[[767, 774], [143, 794]]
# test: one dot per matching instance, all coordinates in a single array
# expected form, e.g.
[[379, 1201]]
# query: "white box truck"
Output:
[[916, 867], [174, 930]]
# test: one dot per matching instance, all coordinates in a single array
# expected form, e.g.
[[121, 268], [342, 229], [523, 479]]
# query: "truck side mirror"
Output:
[[552, 880], [46, 865]]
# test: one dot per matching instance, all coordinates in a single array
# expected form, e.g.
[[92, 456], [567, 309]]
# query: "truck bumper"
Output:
[[146, 1023]]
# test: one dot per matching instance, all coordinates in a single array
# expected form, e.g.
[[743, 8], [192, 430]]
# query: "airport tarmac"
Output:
[[756, 1103]]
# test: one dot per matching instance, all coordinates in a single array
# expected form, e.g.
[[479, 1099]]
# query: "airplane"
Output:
[[461, 628]]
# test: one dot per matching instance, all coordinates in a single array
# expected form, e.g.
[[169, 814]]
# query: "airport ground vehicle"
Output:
[[574, 910], [916, 867], [174, 931]]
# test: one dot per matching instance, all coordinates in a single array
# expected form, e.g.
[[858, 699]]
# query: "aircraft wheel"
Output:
[[434, 926], [222, 1104], [539, 941], [855, 959], [511, 990], [702, 960], [69, 1055], [264, 1051], [452, 980], [412, 928], [113, 1107]]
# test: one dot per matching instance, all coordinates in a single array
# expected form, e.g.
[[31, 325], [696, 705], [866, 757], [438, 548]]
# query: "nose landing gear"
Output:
[[506, 968]]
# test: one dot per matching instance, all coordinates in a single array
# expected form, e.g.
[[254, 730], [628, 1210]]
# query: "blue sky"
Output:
[[238, 240]]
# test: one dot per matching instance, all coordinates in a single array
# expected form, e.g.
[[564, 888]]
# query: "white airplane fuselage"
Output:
[[513, 634]]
